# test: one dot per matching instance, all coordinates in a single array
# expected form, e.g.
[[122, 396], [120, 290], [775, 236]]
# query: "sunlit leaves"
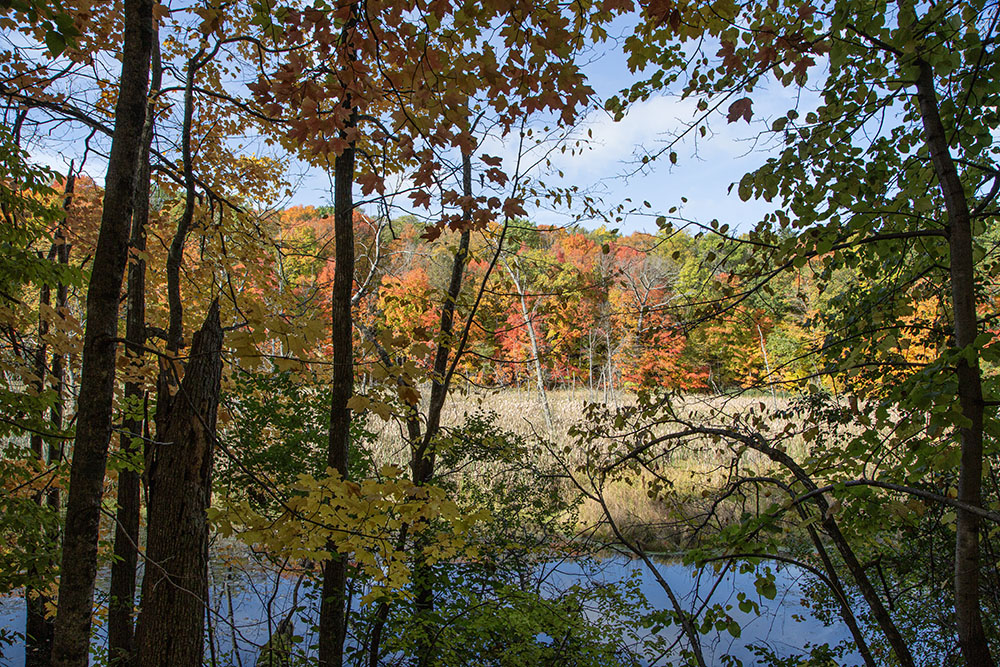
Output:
[[358, 519]]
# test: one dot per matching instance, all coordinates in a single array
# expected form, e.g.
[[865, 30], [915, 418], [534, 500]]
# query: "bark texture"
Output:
[[333, 616], [121, 637], [71, 644], [968, 616], [170, 630]]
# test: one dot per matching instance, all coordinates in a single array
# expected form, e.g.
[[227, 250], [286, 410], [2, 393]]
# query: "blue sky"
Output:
[[609, 165]]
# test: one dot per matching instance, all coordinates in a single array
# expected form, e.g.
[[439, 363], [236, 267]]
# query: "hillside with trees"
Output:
[[462, 409]]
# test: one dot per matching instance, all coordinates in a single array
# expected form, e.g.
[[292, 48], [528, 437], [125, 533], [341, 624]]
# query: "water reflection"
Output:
[[247, 606]]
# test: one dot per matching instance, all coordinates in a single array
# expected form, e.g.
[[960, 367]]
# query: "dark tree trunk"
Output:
[[423, 457], [968, 617], [123, 568], [71, 644], [169, 369], [39, 628], [333, 612], [175, 585]]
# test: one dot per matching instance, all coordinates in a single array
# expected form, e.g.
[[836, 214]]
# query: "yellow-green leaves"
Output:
[[361, 520]]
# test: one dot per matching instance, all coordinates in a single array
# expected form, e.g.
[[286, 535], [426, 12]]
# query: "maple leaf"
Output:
[[740, 109], [513, 207], [370, 183], [727, 52], [421, 198], [211, 19], [496, 175]]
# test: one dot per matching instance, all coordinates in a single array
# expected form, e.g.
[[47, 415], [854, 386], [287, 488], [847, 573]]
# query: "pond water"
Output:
[[786, 625]]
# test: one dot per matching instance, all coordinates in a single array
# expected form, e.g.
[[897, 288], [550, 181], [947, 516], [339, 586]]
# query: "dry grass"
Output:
[[693, 473]]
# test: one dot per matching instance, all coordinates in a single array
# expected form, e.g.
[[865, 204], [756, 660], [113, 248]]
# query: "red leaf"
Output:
[[740, 109]]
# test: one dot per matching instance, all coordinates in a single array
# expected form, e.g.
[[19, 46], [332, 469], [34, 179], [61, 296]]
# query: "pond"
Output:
[[785, 625]]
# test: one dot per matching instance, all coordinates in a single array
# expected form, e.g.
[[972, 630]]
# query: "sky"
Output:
[[609, 166]]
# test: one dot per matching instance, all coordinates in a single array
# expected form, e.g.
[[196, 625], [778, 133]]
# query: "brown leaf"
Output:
[[740, 109]]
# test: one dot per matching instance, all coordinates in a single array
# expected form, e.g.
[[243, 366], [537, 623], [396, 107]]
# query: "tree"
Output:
[[121, 644], [915, 193], [93, 428], [170, 626]]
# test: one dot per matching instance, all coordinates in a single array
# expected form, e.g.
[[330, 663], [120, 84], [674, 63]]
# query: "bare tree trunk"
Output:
[[71, 645], [535, 351], [121, 638], [968, 616], [333, 611], [609, 379], [175, 584], [537, 363], [590, 363]]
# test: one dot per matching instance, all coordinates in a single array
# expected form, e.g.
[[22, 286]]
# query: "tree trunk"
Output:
[[39, 628], [333, 612], [535, 352], [968, 617], [537, 362], [175, 585], [123, 569], [423, 456], [169, 371], [71, 645]]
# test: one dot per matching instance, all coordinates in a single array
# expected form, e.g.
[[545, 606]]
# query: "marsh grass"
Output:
[[689, 476]]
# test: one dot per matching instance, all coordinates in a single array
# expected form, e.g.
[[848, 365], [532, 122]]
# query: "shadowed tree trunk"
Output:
[[71, 644], [175, 584], [39, 628], [123, 568], [968, 616], [333, 612]]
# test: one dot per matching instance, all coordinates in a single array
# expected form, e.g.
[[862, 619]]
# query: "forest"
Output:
[[319, 346]]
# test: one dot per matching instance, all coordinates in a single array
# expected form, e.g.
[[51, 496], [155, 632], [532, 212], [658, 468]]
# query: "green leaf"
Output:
[[55, 42], [745, 190]]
